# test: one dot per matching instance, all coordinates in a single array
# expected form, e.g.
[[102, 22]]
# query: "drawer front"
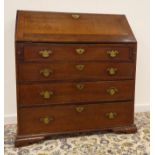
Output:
[[75, 71], [59, 119], [75, 52], [65, 93]]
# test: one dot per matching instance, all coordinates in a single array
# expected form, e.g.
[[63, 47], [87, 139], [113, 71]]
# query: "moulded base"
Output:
[[30, 139]]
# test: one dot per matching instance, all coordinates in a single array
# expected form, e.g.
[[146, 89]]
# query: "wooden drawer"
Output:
[[75, 71], [65, 93], [71, 118], [77, 52]]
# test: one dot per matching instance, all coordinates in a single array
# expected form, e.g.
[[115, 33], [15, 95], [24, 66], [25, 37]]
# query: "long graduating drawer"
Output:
[[74, 117], [77, 52], [65, 93], [75, 71]]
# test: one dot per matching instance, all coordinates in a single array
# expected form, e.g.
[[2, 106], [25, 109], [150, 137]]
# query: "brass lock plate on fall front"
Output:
[[75, 16]]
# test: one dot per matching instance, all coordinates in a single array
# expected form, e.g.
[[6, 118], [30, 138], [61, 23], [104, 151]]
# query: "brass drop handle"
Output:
[[113, 53], [46, 72], [79, 109], [46, 120], [80, 86], [112, 71], [80, 67], [75, 16], [111, 115], [112, 91], [46, 94], [80, 51], [45, 53]]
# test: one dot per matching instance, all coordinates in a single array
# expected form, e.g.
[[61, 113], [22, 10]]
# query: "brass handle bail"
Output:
[[46, 72], [45, 53], [112, 71], [113, 53]]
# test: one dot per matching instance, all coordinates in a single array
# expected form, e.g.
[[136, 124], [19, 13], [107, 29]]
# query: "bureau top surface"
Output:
[[33, 26]]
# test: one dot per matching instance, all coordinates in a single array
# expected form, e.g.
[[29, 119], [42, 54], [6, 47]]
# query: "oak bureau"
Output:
[[75, 73]]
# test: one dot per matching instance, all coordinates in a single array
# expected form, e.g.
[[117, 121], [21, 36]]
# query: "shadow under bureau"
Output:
[[75, 73]]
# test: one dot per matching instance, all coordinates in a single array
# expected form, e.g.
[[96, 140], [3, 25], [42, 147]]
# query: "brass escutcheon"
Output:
[[80, 86], [80, 67], [75, 16], [112, 71], [112, 91], [79, 109], [80, 51], [111, 115], [46, 119], [46, 94]]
